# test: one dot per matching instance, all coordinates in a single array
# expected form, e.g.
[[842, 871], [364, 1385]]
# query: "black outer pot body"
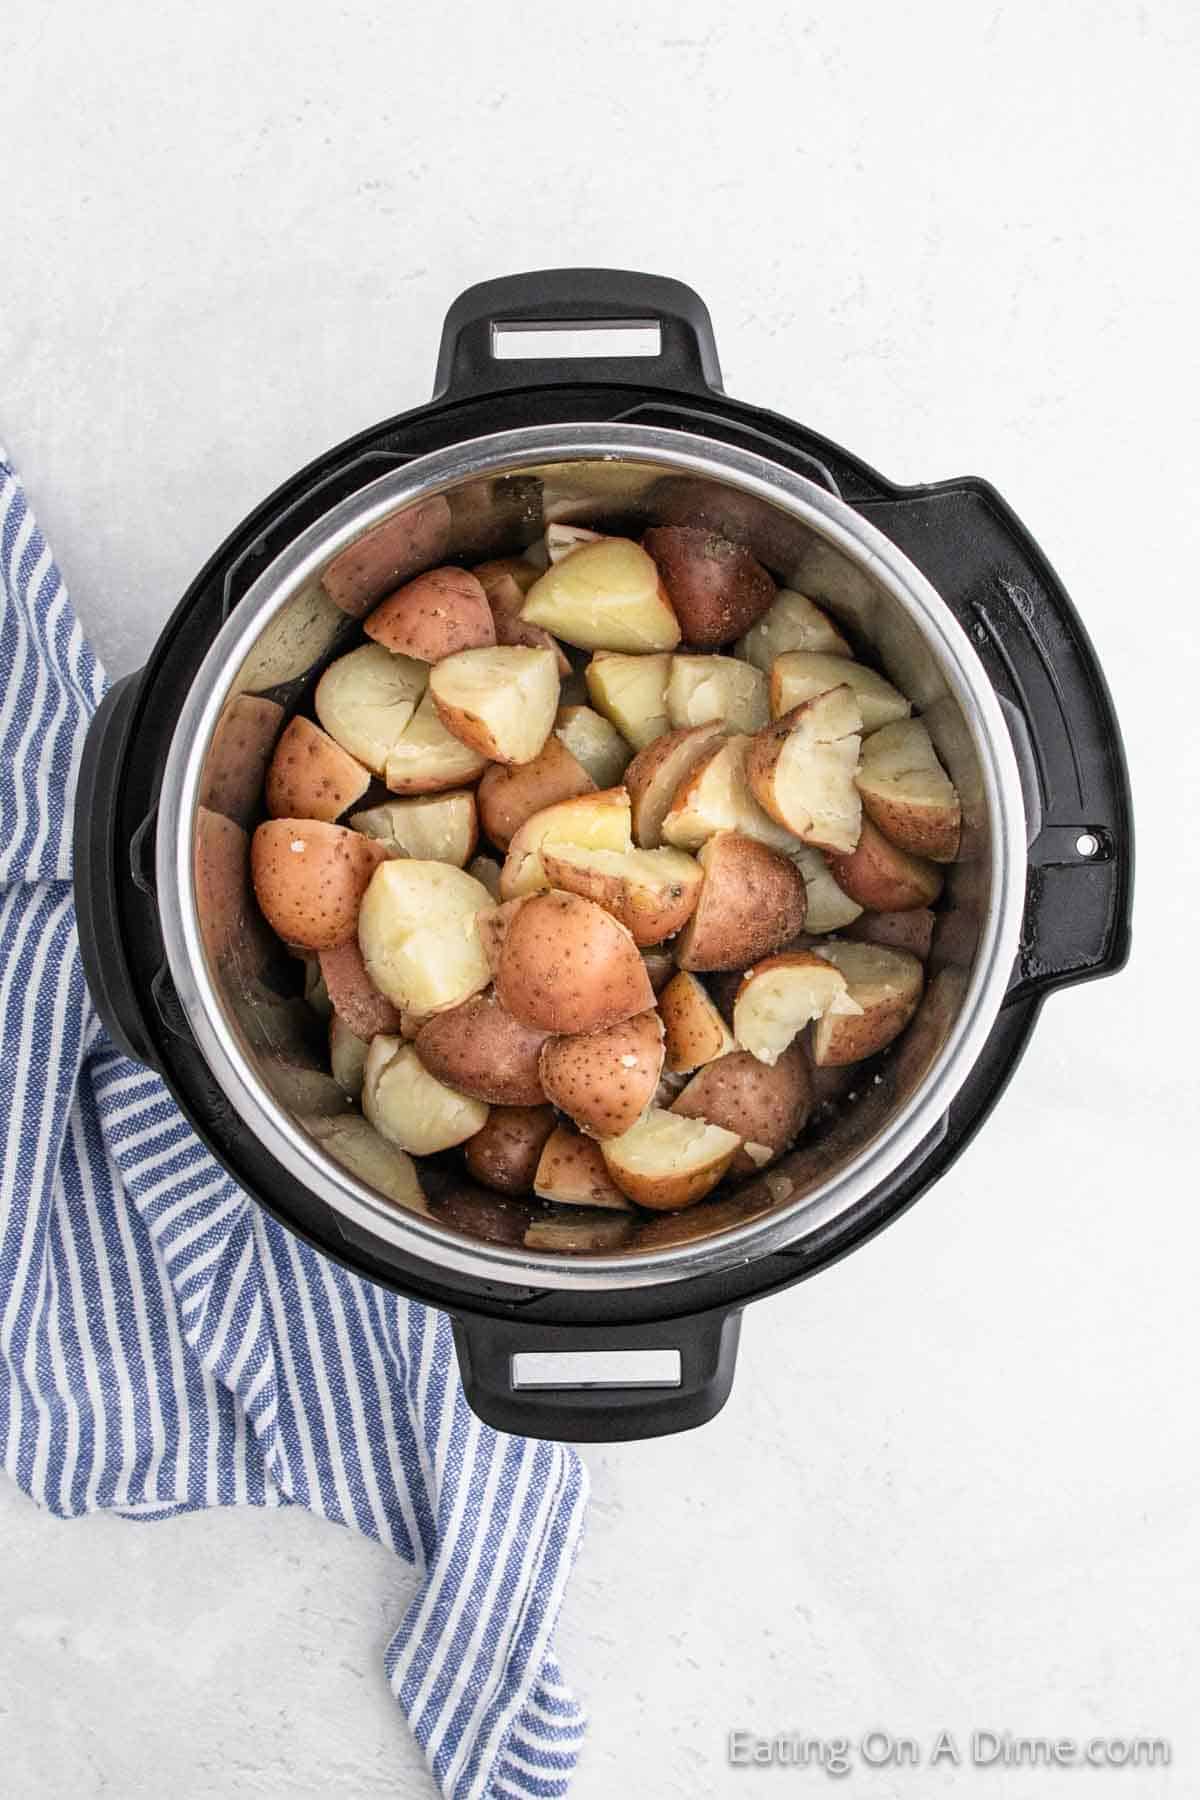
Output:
[[983, 563]]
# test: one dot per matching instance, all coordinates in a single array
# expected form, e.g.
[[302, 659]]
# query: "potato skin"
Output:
[[311, 776], [911, 931], [625, 895], [717, 588], [309, 879], [238, 756], [441, 612], [481, 1050], [511, 793], [695, 1031], [881, 876], [391, 552], [605, 1080], [752, 903], [572, 1171], [666, 1190], [566, 966], [657, 772], [353, 995], [506, 1153], [506, 597], [852, 1037], [766, 1104]]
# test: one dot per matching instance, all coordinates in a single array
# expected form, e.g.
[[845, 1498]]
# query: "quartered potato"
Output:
[[878, 874], [801, 675], [566, 966], [666, 1162], [501, 702], [430, 828], [715, 796], [717, 588], [695, 1032], [631, 691], [604, 596], [753, 902], [908, 794], [572, 1171], [311, 776], [310, 877], [353, 995], [505, 1154], [356, 1144], [658, 772], [441, 612], [605, 1080], [427, 758], [508, 795], [829, 907], [419, 935], [652, 892], [766, 1104], [703, 690], [481, 1050], [594, 742], [801, 770], [410, 1107], [885, 986], [792, 622], [591, 821], [780, 996], [365, 701]]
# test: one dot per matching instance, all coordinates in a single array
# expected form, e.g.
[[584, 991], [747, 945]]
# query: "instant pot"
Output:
[[959, 607]]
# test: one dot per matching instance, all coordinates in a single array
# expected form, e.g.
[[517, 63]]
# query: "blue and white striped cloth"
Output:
[[164, 1345]]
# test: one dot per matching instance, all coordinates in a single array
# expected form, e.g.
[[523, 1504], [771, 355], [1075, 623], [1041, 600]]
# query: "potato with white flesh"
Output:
[[881, 876], [509, 795], [310, 877], [481, 1050], [410, 1107], [801, 675], [801, 770], [666, 1162], [717, 588], [311, 776], [353, 996], [605, 1080], [567, 966], [360, 1149], [438, 614], [418, 932], [652, 892], [594, 742], [591, 821], [702, 690], [886, 987], [604, 596], [347, 1057], [829, 909], [753, 902], [561, 539], [694, 1031], [431, 827], [500, 702], [572, 1171], [427, 758], [767, 1104], [657, 773], [792, 622], [779, 997], [391, 552], [578, 1233], [506, 1153], [366, 702], [632, 692], [908, 794], [715, 796], [506, 597], [911, 931]]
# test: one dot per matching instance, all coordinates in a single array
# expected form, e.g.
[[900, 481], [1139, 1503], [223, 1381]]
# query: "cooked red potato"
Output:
[[310, 877], [486, 870], [229, 924], [657, 773], [911, 931], [908, 794], [753, 901], [766, 1104], [311, 776], [438, 614], [390, 553], [604, 596], [493, 575], [506, 598], [353, 995], [238, 756], [501, 702], [632, 692], [506, 1153], [885, 986], [427, 758], [431, 828], [801, 675], [605, 1080], [347, 1057], [717, 689], [419, 934], [829, 909], [572, 1171], [594, 742], [801, 770], [715, 796], [695, 1032], [567, 966], [481, 1050], [508, 796], [561, 539], [717, 588], [366, 702], [881, 876], [660, 966], [591, 821], [791, 623], [410, 1107], [652, 892], [351, 1141], [666, 1162], [781, 995], [578, 1232]]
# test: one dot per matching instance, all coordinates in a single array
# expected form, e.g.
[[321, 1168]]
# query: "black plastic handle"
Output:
[[573, 1410], [561, 299]]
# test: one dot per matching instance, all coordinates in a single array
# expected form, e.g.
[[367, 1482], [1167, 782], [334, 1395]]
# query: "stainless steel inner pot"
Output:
[[497, 493]]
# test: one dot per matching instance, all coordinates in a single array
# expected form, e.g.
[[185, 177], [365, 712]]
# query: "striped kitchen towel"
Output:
[[164, 1345]]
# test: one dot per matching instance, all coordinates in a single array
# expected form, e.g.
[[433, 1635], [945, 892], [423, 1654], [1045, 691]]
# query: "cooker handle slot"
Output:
[[509, 333], [597, 1384]]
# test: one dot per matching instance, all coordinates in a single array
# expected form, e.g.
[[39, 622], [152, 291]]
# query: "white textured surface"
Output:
[[957, 1482]]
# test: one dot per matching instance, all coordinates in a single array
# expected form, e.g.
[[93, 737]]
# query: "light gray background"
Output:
[[957, 1482]]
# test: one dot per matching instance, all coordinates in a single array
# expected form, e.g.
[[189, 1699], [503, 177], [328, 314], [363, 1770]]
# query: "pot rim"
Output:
[[299, 564]]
